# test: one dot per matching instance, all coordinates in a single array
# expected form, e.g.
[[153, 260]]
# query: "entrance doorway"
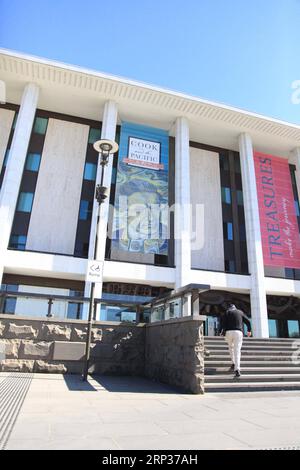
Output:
[[212, 326]]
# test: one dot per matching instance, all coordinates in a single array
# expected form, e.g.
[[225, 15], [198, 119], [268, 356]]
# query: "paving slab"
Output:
[[62, 412]]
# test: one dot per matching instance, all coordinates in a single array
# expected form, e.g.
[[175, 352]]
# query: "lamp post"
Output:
[[105, 148]]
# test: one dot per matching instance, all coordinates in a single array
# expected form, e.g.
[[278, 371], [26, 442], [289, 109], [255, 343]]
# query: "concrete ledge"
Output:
[[195, 318]]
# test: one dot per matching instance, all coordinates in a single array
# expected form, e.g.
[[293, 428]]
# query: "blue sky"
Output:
[[245, 53]]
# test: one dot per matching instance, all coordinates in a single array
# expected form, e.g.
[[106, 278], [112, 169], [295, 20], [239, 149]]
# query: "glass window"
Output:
[[293, 328], [240, 200], [90, 171], [6, 157], [25, 202], [289, 273], [18, 242], [40, 125], [242, 233], [273, 328], [297, 208], [33, 162], [226, 195], [94, 135], [15, 120], [81, 249], [224, 162], [237, 164], [85, 210], [228, 230], [229, 266]]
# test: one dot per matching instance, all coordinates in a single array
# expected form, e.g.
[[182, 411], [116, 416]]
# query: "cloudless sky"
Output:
[[244, 53]]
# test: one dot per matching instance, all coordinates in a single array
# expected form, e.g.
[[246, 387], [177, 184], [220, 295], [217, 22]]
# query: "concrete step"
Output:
[[250, 347], [251, 357], [280, 341], [253, 378], [252, 363], [237, 386], [253, 370], [254, 352]]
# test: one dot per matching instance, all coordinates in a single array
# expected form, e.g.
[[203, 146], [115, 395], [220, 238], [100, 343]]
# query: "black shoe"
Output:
[[237, 374], [232, 368]]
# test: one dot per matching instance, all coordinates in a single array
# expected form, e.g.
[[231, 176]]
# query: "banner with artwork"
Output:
[[278, 220], [140, 223]]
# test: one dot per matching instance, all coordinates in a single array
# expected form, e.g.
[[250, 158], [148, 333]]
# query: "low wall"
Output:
[[175, 353], [170, 351], [42, 345]]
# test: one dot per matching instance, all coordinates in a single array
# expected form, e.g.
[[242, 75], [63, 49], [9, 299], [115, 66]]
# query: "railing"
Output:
[[176, 304], [179, 303], [35, 305]]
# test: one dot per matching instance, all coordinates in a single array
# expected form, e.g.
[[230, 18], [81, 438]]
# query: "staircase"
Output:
[[266, 365]]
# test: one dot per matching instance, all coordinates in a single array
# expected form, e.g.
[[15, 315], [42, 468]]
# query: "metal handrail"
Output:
[[52, 297]]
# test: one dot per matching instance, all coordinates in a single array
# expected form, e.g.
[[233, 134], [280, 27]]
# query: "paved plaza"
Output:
[[62, 412]]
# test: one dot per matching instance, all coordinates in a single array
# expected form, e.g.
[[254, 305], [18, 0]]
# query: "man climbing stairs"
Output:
[[267, 364]]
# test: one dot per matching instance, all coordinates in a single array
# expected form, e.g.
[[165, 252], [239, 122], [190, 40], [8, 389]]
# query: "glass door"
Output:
[[273, 329], [293, 328]]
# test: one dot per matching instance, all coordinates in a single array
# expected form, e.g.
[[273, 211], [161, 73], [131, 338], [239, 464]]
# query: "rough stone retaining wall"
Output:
[[175, 353], [170, 351], [28, 345]]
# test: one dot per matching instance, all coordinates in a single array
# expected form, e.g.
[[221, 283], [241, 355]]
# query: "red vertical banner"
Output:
[[278, 220]]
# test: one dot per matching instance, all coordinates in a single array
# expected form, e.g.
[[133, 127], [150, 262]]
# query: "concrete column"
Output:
[[14, 170], [258, 298], [182, 204], [109, 126], [187, 305]]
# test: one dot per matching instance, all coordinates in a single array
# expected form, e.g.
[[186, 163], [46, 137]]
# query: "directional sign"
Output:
[[94, 271]]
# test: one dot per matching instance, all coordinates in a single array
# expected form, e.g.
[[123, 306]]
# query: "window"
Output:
[[81, 249], [297, 208], [18, 242], [228, 230], [33, 162], [226, 195], [293, 328], [6, 157], [224, 162], [230, 266], [85, 210], [239, 196], [94, 135], [242, 233], [40, 125], [25, 202], [15, 121], [90, 171]]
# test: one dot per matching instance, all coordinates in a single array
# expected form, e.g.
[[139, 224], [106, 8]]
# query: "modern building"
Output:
[[199, 192]]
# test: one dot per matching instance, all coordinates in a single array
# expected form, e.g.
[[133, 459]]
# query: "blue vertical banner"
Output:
[[140, 223]]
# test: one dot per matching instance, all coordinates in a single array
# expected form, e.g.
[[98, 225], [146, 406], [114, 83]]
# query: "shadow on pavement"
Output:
[[132, 385]]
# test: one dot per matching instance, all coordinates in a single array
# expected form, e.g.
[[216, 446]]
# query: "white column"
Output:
[[258, 298], [182, 203], [17, 156], [108, 131]]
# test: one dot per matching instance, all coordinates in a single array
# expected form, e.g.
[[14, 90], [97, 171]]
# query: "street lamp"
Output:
[[105, 148]]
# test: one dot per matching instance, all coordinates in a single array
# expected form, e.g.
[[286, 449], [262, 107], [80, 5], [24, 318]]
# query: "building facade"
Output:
[[190, 193]]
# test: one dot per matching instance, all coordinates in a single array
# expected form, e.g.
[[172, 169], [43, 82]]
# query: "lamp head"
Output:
[[106, 147]]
